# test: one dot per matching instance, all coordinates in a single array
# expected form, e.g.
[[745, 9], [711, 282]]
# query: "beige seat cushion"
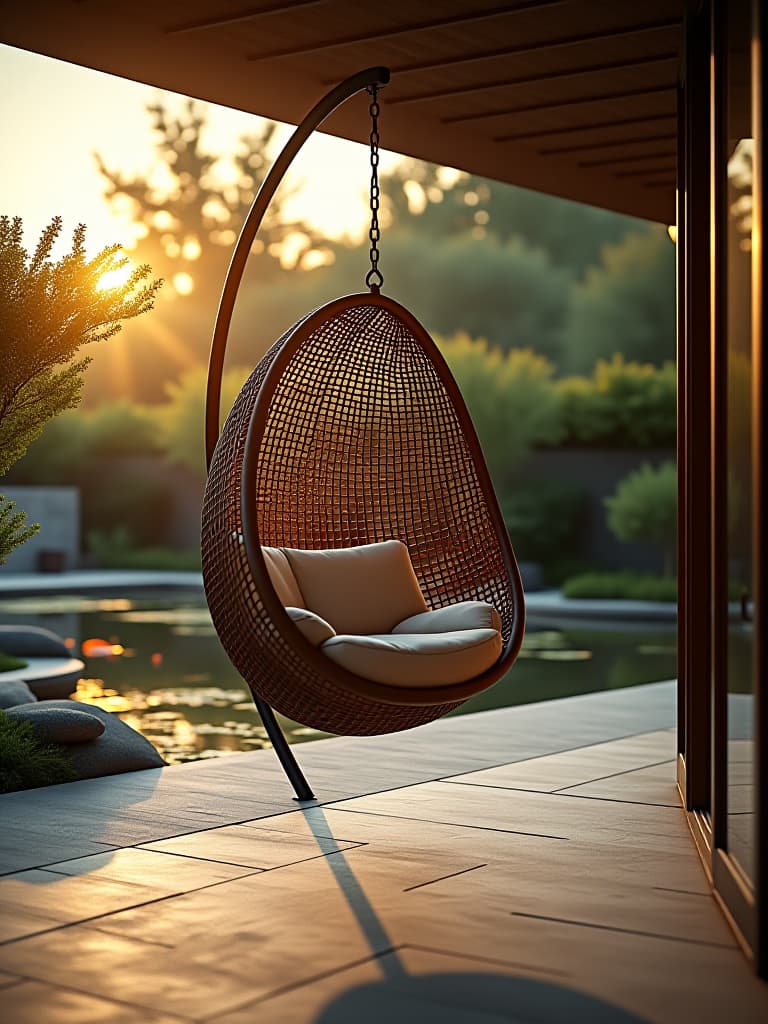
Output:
[[464, 615], [361, 590], [315, 629], [283, 580], [405, 659]]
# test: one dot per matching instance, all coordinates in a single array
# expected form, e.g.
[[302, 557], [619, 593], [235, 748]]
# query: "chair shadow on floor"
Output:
[[449, 997]]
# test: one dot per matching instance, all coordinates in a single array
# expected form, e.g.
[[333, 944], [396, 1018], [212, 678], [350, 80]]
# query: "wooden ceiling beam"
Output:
[[245, 14], [541, 44], [594, 126], [611, 161], [399, 30], [637, 141], [645, 171], [556, 104], [546, 76]]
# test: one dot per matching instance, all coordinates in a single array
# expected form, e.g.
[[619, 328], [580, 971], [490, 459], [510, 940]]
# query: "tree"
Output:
[[186, 211], [626, 305], [182, 418], [48, 311], [644, 507], [425, 199]]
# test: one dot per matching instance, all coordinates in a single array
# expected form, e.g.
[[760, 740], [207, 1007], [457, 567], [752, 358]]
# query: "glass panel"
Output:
[[740, 754]]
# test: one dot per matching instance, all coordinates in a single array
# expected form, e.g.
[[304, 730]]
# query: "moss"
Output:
[[27, 761], [8, 663]]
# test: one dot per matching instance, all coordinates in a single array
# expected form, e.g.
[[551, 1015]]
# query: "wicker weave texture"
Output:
[[354, 438]]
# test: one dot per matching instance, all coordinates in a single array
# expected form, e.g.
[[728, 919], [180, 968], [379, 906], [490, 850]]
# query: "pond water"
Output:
[[167, 675]]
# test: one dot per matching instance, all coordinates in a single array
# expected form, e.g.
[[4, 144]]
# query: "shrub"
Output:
[[48, 312], [545, 520], [115, 550], [26, 761], [625, 585], [181, 420], [139, 503], [644, 507], [623, 404], [510, 396]]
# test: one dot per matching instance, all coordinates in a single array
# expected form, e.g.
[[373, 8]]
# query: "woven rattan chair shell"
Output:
[[351, 430]]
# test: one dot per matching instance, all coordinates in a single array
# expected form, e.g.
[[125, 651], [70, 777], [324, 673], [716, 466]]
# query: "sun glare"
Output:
[[116, 277]]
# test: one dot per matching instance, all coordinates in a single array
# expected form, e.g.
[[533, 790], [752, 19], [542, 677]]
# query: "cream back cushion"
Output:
[[366, 589], [283, 580]]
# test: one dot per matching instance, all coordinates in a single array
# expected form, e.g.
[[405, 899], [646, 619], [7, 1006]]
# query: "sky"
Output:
[[54, 115]]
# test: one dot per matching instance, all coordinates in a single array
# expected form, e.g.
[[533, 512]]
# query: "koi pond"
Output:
[[158, 664]]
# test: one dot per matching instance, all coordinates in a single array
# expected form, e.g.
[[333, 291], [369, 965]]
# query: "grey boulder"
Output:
[[13, 692], [32, 642], [59, 725], [118, 749]]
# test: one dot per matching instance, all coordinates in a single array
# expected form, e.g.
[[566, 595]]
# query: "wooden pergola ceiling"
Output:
[[572, 97]]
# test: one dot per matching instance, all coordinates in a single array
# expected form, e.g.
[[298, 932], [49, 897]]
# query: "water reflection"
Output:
[[174, 684]]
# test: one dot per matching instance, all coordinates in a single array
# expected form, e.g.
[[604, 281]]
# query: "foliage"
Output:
[[26, 761], [188, 208], [114, 549], [418, 200], [9, 664], [134, 500], [69, 444], [48, 310], [623, 404], [181, 420], [627, 585], [509, 396], [627, 304], [13, 528], [545, 520], [644, 507]]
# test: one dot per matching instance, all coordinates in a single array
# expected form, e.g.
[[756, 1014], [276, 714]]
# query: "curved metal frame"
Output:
[[378, 76]]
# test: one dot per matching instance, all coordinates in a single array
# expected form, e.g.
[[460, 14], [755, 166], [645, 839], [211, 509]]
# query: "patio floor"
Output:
[[531, 864]]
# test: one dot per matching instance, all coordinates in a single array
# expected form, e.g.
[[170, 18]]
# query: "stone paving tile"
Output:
[[654, 785], [662, 980], [162, 872], [587, 897], [33, 1002], [124, 970], [572, 767], [428, 987], [249, 846], [544, 814], [66, 898], [522, 854]]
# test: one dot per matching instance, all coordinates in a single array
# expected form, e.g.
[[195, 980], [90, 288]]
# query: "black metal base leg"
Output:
[[282, 749]]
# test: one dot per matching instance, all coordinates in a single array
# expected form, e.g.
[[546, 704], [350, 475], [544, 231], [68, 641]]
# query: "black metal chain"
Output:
[[374, 278]]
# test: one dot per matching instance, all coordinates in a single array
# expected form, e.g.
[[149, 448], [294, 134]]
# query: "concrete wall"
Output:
[[57, 509], [598, 471]]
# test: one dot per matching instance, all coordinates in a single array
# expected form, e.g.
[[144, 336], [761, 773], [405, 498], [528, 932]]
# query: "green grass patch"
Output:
[[27, 761], [8, 663], [628, 586], [115, 549], [152, 558]]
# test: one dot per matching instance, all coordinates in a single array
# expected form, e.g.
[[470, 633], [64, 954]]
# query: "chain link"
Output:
[[374, 278]]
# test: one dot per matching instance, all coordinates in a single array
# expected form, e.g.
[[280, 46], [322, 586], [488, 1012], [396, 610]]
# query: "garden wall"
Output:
[[598, 471], [56, 546]]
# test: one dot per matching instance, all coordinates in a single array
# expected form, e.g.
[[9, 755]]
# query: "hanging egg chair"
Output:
[[349, 432]]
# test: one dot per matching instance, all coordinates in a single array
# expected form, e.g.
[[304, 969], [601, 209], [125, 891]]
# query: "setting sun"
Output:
[[116, 277]]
